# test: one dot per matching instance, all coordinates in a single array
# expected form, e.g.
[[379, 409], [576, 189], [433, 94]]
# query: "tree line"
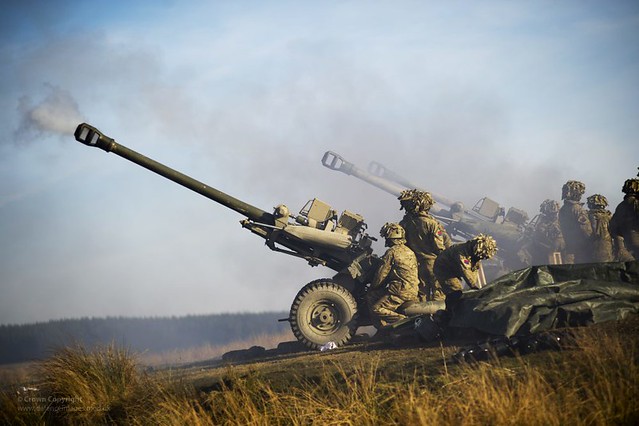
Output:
[[27, 342]]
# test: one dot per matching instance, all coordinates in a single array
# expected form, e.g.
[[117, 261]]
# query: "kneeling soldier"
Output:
[[462, 261], [396, 280]]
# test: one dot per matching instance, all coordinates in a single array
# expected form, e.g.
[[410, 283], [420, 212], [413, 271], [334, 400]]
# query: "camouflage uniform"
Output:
[[462, 261], [426, 237], [601, 240], [574, 222], [396, 280], [546, 237], [624, 225]]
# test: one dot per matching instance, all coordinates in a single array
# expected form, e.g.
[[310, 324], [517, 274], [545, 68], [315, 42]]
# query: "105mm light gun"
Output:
[[324, 310], [484, 218], [485, 209]]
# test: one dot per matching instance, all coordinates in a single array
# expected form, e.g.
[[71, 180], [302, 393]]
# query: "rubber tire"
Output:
[[314, 299]]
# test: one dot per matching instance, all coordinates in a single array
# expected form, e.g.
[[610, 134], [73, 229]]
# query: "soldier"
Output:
[[462, 261], [574, 222], [396, 281], [624, 225], [601, 241], [546, 242], [426, 237]]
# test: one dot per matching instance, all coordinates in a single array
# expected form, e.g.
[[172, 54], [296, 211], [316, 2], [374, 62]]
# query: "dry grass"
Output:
[[594, 382], [86, 387]]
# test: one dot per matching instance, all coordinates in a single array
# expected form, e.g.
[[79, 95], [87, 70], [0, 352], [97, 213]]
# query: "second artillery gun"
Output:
[[324, 310], [486, 217]]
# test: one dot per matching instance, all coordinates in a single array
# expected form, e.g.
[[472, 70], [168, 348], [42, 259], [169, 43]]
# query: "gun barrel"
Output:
[[382, 172], [334, 161], [91, 136], [379, 170]]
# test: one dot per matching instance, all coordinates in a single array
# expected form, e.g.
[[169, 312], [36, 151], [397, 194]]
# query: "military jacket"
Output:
[[399, 266], [458, 261], [547, 234], [425, 235], [575, 227], [625, 223], [600, 238], [546, 238]]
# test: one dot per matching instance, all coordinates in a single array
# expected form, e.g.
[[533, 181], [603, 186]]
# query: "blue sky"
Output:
[[469, 99]]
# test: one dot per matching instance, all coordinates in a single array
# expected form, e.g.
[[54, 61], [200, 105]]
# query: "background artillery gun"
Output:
[[486, 217], [324, 310]]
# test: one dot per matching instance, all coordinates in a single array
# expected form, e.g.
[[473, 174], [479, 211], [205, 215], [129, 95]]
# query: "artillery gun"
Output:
[[486, 217], [324, 310]]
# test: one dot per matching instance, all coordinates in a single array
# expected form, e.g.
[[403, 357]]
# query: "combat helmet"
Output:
[[597, 201], [392, 231], [415, 201], [631, 186], [485, 246], [572, 190], [549, 207]]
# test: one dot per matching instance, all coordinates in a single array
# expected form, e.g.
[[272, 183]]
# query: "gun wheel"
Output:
[[323, 311]]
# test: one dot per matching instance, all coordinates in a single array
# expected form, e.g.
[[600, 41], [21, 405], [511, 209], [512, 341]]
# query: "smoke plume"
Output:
[[57, 113]]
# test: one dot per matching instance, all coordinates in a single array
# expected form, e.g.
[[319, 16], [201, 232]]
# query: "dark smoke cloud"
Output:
[[58, 113]]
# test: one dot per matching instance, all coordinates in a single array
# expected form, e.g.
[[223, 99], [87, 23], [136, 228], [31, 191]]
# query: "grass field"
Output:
[[594, 380]]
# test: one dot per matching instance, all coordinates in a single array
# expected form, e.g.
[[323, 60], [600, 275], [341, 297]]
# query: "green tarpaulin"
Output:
[[541, 298]]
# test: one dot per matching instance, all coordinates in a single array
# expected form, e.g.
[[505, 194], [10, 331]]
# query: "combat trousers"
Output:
[[385, 310], [385, 301], [428, 283]]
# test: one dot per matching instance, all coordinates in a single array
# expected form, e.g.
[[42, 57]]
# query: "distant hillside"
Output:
[[33, 341]]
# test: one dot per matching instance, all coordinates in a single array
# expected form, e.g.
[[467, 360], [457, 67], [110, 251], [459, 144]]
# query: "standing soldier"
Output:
[[396, 281], [462, 261], [574, 222], [601, 248], [546, 243], [624, 225], [426, 237]]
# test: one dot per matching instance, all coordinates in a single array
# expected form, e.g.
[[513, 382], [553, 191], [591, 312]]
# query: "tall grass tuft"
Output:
[[97, 386], [101, 386]]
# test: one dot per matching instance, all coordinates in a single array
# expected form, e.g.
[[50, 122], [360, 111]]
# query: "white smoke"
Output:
[[57, 113]]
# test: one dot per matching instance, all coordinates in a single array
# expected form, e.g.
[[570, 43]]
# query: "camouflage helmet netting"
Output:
[[406, 194], [631, 186], [485, 246], [414, 200], [572, 189], [392, 230], [597, 201], [549, 207]]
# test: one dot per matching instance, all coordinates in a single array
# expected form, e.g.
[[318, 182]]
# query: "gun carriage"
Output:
[[324, 310]]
